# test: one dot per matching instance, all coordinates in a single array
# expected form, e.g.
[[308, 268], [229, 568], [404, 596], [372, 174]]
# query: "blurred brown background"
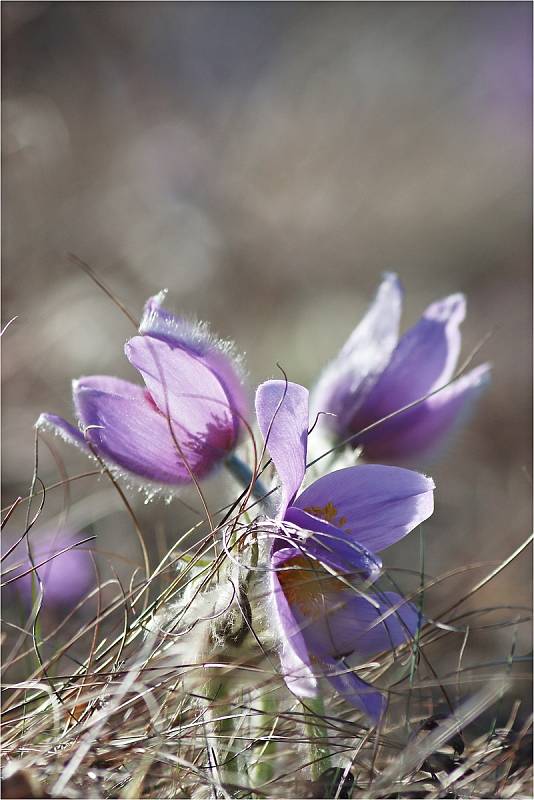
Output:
[[266, 162]]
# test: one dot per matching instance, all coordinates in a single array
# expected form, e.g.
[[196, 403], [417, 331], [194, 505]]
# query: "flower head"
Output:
[[376, 374], [323, 558], [64, 570], [181, 423]]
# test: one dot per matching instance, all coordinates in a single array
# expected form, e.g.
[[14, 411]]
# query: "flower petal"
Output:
[[125, 427], [350, 625], [424, 360], [106, 383], [60, 427], [185, 389], [424, 427], [303, 592], [159, 323], [371, 504], [156, 321], [295, 662], [345, 381], [356, 691], [282, 411], [196, 338], [228, 369], [326, 543], [65, 576]]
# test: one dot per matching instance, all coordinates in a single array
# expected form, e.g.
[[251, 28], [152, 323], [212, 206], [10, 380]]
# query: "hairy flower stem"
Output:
[[262, 770], [220, 730], [317, 734]]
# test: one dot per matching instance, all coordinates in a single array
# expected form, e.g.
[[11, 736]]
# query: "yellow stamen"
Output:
[[328, 513]]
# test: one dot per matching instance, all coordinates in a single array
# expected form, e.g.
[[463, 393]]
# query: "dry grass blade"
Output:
[[414, 754]]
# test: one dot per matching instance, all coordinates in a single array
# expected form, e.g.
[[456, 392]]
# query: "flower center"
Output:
[[306, 584]]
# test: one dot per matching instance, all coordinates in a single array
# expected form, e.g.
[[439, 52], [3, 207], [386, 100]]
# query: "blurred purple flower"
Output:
[[375, 374], [66, 577], [185, 419], [326, 536]]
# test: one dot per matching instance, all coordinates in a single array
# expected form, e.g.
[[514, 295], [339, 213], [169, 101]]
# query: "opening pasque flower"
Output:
[[182, 422], [322, 557], [376, 374]]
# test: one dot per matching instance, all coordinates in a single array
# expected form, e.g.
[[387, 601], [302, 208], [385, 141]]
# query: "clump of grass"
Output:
[[142, 716]]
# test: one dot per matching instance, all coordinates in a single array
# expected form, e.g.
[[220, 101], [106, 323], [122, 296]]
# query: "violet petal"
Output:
[[351, 625], [356, 691], [61, 427], [127, 428], [345, 381], [423, 428], [65, 576], [185, 389], [282, 411], [424, 360], [326, 543], [304, 591], [294, 658], [372, 505], [196, 338]]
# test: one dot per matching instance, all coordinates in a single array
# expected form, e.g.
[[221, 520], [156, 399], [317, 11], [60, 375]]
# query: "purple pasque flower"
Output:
[[65, 570], [322, 557], [182, 422], [376, 374]]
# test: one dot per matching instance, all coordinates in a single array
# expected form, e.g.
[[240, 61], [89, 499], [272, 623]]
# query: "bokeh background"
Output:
[[267, 162]]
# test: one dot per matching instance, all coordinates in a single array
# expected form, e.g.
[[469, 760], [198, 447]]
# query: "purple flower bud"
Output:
[[185, 419], [375, 375], [66, 577]]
